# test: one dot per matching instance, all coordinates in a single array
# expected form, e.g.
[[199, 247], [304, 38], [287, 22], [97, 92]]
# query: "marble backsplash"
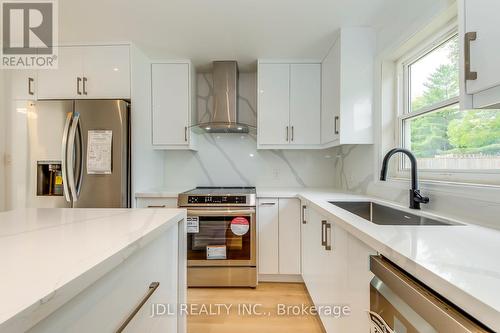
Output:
[[233, 159]]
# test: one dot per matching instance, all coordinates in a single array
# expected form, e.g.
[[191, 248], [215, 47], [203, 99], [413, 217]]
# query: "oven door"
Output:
[[399, 303], [222, 237]]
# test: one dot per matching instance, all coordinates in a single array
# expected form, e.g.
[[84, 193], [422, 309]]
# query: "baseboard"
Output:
[[317, 315], [286, 278]]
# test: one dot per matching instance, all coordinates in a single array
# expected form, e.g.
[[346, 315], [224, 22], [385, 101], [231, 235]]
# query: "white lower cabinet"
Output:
[[289, 236], [279, 236], [105, 304], [268, 238], [313, 257], [335, 269]]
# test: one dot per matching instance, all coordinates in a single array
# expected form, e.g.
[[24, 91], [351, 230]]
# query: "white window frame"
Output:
[[477, 177]]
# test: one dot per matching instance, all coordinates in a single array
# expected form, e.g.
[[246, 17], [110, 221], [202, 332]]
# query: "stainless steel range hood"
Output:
[[224, 117]]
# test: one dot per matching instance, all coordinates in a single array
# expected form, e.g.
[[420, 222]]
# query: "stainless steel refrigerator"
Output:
[[79, 152]]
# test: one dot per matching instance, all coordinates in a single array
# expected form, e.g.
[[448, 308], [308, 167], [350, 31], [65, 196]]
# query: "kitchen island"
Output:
[[85, 270]]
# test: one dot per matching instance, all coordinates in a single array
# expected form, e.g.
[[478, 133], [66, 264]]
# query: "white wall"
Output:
[[147, 164], [233, 159], [357, 167]]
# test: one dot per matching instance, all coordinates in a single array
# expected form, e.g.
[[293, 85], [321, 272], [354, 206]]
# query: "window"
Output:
[[432, 126]]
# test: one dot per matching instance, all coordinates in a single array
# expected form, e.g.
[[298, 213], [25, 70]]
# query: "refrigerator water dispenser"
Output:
[[49, 178]]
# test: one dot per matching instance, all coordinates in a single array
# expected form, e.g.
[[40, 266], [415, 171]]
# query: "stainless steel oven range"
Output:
[[221, 236]]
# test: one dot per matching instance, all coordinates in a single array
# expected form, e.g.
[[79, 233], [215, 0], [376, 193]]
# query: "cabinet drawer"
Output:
[[156, 202], [106, 304]]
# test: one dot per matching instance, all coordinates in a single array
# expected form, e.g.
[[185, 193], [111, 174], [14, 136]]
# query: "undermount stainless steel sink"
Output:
[[384, 215]]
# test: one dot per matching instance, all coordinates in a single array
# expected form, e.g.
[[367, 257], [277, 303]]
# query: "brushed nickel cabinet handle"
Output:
[[78, 80], [292, 134], [157, 206], [304, 214], [30, 86], [152, 288], [286, 134], [185, 133], [336, 124], [328, 236], [323, 231], [469, 36], [85, 86], [267, 203]]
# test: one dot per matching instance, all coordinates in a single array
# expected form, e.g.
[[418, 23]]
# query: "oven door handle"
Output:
[[219, 212]]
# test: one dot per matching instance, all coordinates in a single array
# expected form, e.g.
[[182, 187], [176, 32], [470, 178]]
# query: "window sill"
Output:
[[481, 192]]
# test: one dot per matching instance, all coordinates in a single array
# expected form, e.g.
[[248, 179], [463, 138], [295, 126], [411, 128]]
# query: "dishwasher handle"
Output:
[[439, 313]]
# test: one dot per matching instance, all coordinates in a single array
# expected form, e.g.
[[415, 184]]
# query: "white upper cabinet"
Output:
[[22, 84], [305, 103], [347, 89], [330, 97], [481, 50], [172, 105], [87, 72], [65, 82], [289, 105], [273, 104], [106, 71]]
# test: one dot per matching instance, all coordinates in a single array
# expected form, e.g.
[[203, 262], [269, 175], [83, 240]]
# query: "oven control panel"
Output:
[[217, 199]]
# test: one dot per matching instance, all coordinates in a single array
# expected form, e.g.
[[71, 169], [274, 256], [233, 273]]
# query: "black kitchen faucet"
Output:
[[415, 197]]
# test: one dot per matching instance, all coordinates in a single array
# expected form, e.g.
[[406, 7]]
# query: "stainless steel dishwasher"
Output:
[[401, 304]]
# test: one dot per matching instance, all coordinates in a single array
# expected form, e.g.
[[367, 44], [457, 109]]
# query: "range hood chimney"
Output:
[[224, 117]]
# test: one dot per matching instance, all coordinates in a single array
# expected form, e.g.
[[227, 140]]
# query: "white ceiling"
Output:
[[206, 30]]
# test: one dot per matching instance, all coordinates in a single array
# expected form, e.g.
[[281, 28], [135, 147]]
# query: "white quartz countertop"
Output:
[[48, 256], [459, 262]]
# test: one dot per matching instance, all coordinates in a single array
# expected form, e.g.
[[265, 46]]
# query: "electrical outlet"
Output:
[[276, 174]]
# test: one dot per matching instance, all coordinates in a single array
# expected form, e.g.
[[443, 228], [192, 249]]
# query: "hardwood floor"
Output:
[[232, 319]]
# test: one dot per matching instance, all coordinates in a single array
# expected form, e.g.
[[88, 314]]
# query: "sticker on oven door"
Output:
[[193, 224], [240, 226], [216, 252]]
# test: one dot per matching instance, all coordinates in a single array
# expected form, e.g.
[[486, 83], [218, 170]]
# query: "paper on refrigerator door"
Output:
[[99, 154]]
